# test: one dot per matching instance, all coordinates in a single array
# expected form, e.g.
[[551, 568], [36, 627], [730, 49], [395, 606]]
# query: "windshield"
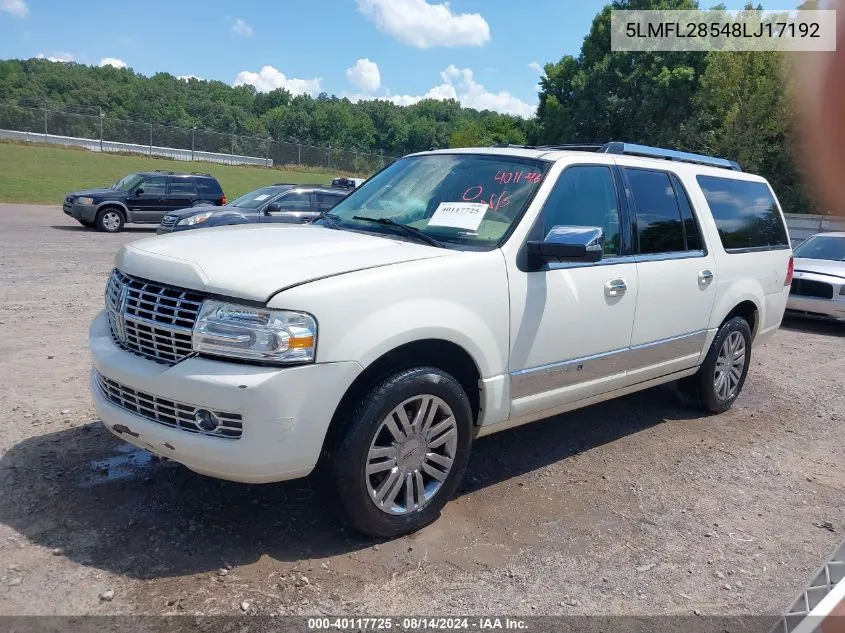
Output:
[[255, 199], [128, 182], [823, 247], [459, 199]]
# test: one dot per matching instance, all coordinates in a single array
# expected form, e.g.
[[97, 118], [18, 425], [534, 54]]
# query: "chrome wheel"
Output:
[[729, 366], [111, 220], [411, 454]]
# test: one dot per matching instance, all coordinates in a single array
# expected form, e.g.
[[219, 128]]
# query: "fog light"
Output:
[[206, 420]]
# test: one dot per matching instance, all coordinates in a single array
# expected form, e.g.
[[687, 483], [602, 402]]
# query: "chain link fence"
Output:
[[107, 134]]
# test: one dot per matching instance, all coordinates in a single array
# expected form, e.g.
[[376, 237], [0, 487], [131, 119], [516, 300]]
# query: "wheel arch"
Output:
[[124, 210], [434, 352], [749, 310]]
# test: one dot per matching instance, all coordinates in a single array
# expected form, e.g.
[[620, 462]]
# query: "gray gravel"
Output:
[[636, 506]]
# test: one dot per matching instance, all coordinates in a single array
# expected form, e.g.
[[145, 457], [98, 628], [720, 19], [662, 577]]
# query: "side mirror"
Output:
[[139, 191], [273, 207], [574, 244]]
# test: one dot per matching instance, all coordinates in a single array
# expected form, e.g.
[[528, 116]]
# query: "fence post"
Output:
[[193, 131], [267, 158], [298, 154], [329, 159], [45, 119], [101, 130], [233, 144], [151, 138]]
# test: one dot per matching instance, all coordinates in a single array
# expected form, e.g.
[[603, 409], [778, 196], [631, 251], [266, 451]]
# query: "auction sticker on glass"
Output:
[[459, 215]]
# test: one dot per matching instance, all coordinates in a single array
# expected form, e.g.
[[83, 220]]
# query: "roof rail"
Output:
[[199, 173], [164, 171], [632, 149], [576, 147]]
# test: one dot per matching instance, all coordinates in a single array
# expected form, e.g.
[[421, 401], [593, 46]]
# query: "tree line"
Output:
[[734, 105]]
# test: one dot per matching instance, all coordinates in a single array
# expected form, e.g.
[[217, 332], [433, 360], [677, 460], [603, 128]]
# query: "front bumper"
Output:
[[85, 212], [831, 309], [285, 410]]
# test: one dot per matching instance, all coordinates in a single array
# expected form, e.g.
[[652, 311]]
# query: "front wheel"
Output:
[[721, 376], [110, 220], [403, 452]]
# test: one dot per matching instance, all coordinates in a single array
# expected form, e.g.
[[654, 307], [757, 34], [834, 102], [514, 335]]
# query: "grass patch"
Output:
[[45, 174]]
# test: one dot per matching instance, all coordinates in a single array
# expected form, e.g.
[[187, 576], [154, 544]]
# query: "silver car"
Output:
[[818, 287]]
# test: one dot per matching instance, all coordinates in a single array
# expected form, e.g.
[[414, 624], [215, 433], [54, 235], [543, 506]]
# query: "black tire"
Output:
[[348, 460], [110, 220], [700, 389]]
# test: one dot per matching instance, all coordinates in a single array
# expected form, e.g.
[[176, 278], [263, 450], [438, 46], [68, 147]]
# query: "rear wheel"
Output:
[[403, 452], [721, 376], [110, 220]]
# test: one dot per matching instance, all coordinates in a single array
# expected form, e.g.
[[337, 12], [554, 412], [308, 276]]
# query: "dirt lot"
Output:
[[634, 506]]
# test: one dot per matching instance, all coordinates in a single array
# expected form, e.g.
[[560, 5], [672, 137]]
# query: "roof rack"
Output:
[[199, 173], [632, 149]]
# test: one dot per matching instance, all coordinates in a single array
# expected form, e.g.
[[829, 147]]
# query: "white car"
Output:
[[455, 294], [818, 290]]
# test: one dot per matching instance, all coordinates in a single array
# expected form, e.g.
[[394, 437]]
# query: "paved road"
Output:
[[634, 506]]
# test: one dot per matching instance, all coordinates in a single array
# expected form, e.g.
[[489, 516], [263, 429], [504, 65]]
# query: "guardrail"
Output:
[[803, 225], [96, 145]]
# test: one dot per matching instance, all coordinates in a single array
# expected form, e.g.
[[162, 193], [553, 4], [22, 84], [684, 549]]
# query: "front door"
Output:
[[146, 201], [677, 276], [294, 207], [571, 323]]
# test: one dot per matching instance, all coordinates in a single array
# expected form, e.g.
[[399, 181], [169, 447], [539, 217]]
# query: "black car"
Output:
[[276, 203], [142, 198]]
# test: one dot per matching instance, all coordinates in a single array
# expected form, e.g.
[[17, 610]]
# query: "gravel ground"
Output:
[[636, 506]]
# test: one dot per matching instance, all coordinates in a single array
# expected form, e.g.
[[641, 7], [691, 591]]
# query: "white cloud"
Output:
[[365, 75], [458, 83], [242, 28], [270, 78], [112, 61], [420, 24], [58, 56], [188, 77], [16, 8], [535, 66]]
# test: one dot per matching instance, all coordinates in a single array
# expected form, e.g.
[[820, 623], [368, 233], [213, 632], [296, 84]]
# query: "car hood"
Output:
[[820, 267], [93, 193], [255, 262]]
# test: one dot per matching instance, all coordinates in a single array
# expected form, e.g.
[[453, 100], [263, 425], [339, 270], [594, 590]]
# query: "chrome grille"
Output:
[[167, 412], [811, 288], [151, 319], [169, 221]]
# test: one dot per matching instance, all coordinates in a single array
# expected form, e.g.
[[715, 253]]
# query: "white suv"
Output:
[[454, 294]]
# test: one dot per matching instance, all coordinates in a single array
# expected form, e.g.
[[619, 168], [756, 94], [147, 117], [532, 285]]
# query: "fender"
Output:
[[116, 203]]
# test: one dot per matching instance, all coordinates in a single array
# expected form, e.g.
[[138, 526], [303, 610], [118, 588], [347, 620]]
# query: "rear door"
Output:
[[676, 272], [146, 201], [181, 193]]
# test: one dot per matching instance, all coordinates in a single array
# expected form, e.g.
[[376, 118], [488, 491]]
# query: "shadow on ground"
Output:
[[813, 326], [85, 229], [109, 506]]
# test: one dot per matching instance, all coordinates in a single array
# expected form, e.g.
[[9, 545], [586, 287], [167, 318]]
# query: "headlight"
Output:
[[199, 218], [85, 200], [239, 331]]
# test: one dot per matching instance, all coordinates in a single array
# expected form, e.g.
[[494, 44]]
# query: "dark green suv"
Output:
[[142, 198]]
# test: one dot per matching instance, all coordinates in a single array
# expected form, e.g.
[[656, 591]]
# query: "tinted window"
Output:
[[830, 247], [691, 232], [181, 185], [209, 186], [153, 185], [326, 201], [255, 199], [295, 201], [745, 212], [584, 195], [659, 227]]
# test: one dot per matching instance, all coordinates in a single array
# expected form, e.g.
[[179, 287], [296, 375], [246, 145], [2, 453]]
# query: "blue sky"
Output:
[[483, 53]]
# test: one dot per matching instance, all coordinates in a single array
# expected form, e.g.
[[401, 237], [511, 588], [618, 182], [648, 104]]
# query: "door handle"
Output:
[[705, 277], [615, 288]]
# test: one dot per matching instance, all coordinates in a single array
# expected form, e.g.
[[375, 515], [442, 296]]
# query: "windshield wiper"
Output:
[[408, 230], [330, 218]]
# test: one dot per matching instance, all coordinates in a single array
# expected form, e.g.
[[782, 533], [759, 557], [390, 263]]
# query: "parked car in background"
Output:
[[818, 289], [455, 294], [142, 198], [348, 183], [273, 204]]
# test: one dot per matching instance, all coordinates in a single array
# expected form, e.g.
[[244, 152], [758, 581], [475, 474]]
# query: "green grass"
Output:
[[44, 174]]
